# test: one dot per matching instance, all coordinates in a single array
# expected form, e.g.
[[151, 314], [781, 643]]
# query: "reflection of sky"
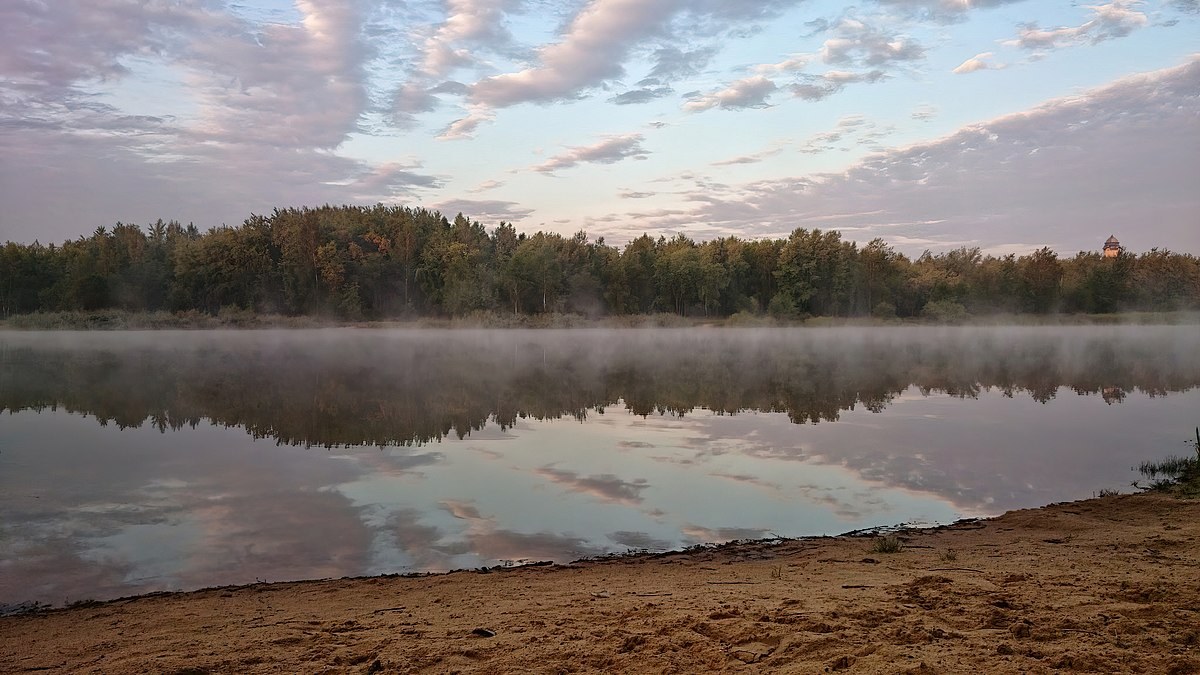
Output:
[[95, 512]]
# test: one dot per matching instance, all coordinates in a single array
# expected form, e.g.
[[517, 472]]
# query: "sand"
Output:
[[1105, 585]]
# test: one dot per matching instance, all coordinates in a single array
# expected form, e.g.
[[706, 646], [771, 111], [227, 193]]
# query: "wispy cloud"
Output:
[[792, 64], [752, 158], [924, 112], [852, 129], [672, 63], [610, 150], [643, 95], [1113, 20], [978, 62], [751, 92], [389, 180], [857, 44], [490, 210], [591, 51], [487, 185], [465, 127], [468, 23], [821, 87], [945, 11]]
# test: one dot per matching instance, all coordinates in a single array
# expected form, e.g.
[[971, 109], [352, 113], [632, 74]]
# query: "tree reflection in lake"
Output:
[[931, 423], [352, 387]]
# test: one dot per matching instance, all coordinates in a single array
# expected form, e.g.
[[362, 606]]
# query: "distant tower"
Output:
[[1112, 247]]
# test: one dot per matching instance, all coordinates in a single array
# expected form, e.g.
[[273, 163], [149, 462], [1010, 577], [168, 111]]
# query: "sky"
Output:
[[932, 124]]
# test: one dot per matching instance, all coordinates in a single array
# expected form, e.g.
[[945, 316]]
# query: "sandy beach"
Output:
[[1105, 585]]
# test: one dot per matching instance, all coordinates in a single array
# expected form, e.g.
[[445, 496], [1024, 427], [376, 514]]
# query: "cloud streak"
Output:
[[976, 63], [590, 52], [751, 92], [609, 150], [1113, 20]]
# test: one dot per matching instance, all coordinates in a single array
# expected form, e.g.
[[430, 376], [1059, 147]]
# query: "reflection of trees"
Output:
[[375, 387]]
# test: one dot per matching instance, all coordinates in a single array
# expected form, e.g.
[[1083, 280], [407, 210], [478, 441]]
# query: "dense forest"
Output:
[[383, 262]]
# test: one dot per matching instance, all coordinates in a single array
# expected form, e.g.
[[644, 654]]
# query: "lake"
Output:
[[133, 462]]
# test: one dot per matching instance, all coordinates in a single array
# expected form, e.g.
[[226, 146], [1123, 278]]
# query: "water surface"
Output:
[[132, 462]]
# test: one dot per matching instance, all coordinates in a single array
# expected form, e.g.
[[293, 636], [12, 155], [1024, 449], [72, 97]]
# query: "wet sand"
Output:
[[1104, 585]]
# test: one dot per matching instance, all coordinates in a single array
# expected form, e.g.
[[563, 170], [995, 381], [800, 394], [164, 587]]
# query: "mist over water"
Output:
[[160, 460], [351, 387]]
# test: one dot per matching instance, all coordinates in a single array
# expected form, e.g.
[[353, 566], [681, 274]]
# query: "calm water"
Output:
[[133, 462]]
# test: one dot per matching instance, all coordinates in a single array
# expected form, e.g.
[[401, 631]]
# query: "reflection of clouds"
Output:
[[845, 509], [418, 541], [787, 453], [196, 540], [668, 459], [123, 513], [489, 454], [462, 510], [748, 480], [500, 545], [277, 536], [393, 461], [485, 539], [53, 566], [984, 453], [638, 541], [605, 487], [702, 535]]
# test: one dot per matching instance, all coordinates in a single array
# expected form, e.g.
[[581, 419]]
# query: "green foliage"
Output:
[[353, 263]]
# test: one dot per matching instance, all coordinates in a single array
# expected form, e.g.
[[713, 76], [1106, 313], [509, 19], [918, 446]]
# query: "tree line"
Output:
[[374, 262]]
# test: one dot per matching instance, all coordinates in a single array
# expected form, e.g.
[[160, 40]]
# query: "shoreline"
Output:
[[118, 320], [1106, 584], [866, 534]]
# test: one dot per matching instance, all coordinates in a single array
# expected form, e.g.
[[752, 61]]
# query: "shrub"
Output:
[[944, 311], [1176, 474], [889, 543]]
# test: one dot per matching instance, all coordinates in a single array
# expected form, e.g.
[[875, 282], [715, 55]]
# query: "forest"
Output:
[[382, 262]]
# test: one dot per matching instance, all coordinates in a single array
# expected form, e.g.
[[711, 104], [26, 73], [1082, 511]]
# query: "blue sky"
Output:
[[1003, 124]]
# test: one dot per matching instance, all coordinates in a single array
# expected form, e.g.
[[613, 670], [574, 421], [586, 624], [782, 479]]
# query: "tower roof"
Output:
[[1112, 239]]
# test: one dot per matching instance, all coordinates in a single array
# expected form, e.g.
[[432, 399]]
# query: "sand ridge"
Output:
[[1103, 585]]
